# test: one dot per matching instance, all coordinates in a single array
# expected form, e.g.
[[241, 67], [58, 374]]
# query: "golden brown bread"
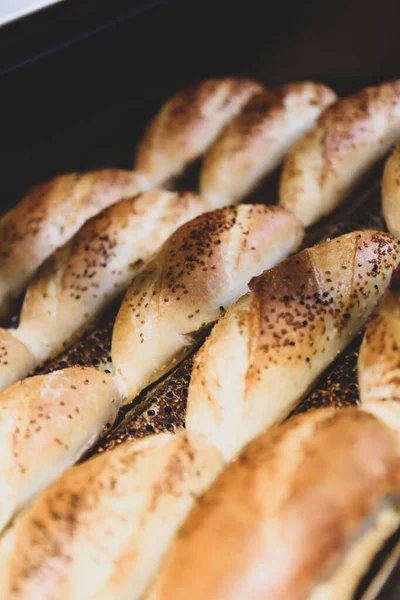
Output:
[[391, 193], [187, 124], [52, 212], [77, 283], [100, 532], [280, 519], [255, 142], [379, 358], [351, 135], [46, 423], [48, 216], [200, 270], [333, 304], [239, 242], [267, 351]]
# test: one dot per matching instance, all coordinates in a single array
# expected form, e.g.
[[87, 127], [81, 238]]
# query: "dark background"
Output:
[[79, 81]]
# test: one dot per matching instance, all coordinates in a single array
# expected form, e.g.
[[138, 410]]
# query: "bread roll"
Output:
[[52, 212], [187, 124], [48, 216], [46, 423], [329, 161], [379, 358], [239, 242], [100, 532], [255, 142], [391, 193], [300, 514], [83, 277], [200, 270], [263, 356]]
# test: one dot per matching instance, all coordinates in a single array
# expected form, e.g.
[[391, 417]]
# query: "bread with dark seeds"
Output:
[[263, 356], [350, 136]]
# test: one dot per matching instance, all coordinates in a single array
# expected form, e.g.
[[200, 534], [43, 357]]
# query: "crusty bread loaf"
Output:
[[266, 352], [188, 123], [391, 193], [46, 423], [379, 358], [327, 305], [200, 270], [81, 278], [52, 212], [299, 514], [328, 162], [255, 142], [48, 216], [239, 243], [100, 532]]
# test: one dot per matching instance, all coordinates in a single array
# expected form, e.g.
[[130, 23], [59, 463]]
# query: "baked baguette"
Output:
[[255, 142], [200, 270], [100, 531], [379, 358], [351, 135], [187, 124], [48, 216], [263, 356], [83, 277], [391, 193], [249, 239], [52, 212], [300, 514], [46, 423], [351, 303]]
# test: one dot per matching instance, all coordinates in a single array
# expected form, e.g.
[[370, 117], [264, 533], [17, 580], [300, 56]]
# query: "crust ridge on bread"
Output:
[[350, 136], [281, 336], [254, 143]]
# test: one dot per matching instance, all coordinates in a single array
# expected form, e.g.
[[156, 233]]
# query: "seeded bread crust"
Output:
[[350, 136], [187, 124], [256, 140], [282, 335]]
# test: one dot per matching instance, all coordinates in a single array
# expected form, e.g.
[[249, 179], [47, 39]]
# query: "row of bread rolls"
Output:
[[75, 285], [48, 421], [51, 213], [249, 148], [48, 314], [80, 279], [185, 127], [102, 529], [319, 172], [347, 317], [300, 514]]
